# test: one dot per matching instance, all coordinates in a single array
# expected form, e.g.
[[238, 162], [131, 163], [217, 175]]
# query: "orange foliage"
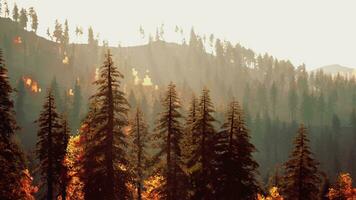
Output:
[[72, 161], [273, 195], [27, 189], [343, 188], [152, 185], [31, 84]]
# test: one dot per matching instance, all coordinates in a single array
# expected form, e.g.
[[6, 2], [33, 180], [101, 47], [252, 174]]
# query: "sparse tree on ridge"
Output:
[[15, 13], [23, 19]]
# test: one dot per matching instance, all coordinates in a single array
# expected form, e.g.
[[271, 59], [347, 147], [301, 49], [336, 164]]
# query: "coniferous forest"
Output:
[[200, 118]]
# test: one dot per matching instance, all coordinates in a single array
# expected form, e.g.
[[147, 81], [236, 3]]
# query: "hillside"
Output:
[[274, 94], [335, 69]]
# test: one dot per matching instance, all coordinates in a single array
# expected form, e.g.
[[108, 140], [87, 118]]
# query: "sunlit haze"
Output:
[[312, 32]]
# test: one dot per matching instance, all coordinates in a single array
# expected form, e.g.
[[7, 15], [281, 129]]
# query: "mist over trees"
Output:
[[199, 119]]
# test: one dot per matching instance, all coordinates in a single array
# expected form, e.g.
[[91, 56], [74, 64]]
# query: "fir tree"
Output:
[[301, 180], [168, 134], [11, 158], [203, 132], [188, 145], [106, 154], [62, 138], [34, 19], [15, 13], [139, 143], [235, 168], [66, 33], [23, 18], [237, 161], [188, 141], [50, 145]]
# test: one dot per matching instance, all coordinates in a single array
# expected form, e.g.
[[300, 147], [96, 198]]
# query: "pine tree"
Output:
[[168, 134], [188, 141], [34, 19], [51, 145], [62, 139], [106, 156], [23, 18], [66, 33], [58, 32], [203, 131], [11, 157], [15, 13], [91, 40], [301, 179], [235, 168], [6, 10], [188, 145], [139, 143]]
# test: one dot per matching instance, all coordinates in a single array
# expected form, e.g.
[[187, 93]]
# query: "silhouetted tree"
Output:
[[105, 155], [168, 135], [11, 158], [15, 13], [204, 131], [235, 168], [139, 144], [302, 179], [48, 145]]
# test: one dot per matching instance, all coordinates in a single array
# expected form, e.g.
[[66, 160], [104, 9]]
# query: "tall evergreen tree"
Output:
[[50, 146], [11, 158], [203, 131], [139, 143], [302, 179], [188, 145], [168, 134], [107, 155], [62, 139], [235, 169]]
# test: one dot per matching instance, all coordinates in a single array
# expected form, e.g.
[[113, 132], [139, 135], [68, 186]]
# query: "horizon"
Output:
[[299, 36]]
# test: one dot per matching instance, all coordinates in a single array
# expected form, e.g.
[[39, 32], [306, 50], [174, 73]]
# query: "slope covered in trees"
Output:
[[275, 97]]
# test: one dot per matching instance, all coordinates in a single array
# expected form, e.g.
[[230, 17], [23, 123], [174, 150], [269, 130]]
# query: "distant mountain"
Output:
[[335, 68]]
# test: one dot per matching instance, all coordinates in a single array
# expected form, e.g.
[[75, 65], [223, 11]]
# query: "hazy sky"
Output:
[[316, 32]]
